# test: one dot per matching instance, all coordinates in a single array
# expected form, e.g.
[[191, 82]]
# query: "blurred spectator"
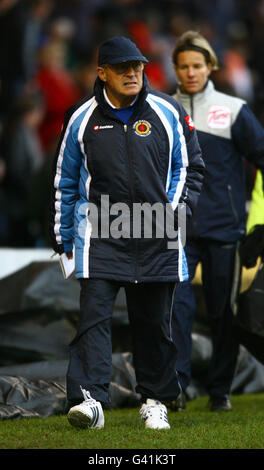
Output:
[[175, 26], [12, 22], [62, 30], [38, 12], [142, 36], [235, 59], [58, 88], [21, 23], [85, 76], [83, 15], [239, 74], [21, 151]]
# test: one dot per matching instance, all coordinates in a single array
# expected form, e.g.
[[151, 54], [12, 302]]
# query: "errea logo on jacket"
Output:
[[190, 123], [98, 128]]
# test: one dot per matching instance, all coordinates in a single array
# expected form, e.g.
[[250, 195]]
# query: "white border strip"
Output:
[[184, 153], [88, 231], [57, 177], [167, 126]]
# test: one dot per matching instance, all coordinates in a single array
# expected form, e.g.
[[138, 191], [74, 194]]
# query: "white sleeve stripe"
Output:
[[179, 189], [180, 129], [184, 154], [80, 139], [87, 242], [57, 178], [88, 230], [168, 129], [180, 256]]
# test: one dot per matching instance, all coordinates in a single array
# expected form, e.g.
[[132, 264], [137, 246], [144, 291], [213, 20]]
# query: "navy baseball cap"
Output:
[[117, 50]]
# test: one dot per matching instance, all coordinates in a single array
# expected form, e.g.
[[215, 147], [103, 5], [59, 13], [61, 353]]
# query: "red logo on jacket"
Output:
[[190, 123]]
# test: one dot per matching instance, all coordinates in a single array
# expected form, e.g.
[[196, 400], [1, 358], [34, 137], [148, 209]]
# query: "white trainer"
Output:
[[154, 413], [88, 414]]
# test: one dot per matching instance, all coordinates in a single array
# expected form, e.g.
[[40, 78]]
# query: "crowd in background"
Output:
[[48, 62]]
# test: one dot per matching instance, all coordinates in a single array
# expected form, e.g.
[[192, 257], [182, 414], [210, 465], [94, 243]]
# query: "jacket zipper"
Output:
[[192, 108], [229, 187], [130, 176]]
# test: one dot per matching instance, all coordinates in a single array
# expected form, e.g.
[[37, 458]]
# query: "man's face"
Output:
[[192, 71], [123, 81]]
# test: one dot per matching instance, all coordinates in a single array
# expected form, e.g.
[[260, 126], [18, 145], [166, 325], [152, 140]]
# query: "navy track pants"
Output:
[[154, 352], [218, 262]]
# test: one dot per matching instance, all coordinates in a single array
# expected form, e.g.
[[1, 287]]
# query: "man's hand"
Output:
[[69, 255]]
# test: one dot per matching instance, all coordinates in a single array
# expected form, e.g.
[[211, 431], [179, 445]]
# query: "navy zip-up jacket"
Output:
[[154, 157], [227, 132]]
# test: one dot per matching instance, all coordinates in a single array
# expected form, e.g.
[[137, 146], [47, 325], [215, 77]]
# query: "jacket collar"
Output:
[[185, 98], [99, 93]]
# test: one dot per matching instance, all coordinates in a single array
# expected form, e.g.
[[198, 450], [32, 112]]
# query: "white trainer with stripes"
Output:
[[154, 413], [88, 414]]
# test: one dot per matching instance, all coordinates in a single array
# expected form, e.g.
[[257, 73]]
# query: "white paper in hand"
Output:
[[67, 265]]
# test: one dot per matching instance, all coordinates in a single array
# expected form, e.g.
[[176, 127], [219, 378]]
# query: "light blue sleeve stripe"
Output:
[[168, 128], [179, 160], [71, 169], [177, 168]]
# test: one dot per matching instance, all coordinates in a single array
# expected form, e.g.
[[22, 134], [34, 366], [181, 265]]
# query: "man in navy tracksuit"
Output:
[[227, 131], [125, 146]]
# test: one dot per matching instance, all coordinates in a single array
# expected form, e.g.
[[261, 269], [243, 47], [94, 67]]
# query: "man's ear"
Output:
[[101, 73]]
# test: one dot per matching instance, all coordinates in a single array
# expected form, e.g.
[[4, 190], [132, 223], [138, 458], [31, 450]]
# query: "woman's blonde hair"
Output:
[[194, 41]]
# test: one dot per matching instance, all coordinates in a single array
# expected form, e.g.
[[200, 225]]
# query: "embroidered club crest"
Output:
[[142, 128]]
